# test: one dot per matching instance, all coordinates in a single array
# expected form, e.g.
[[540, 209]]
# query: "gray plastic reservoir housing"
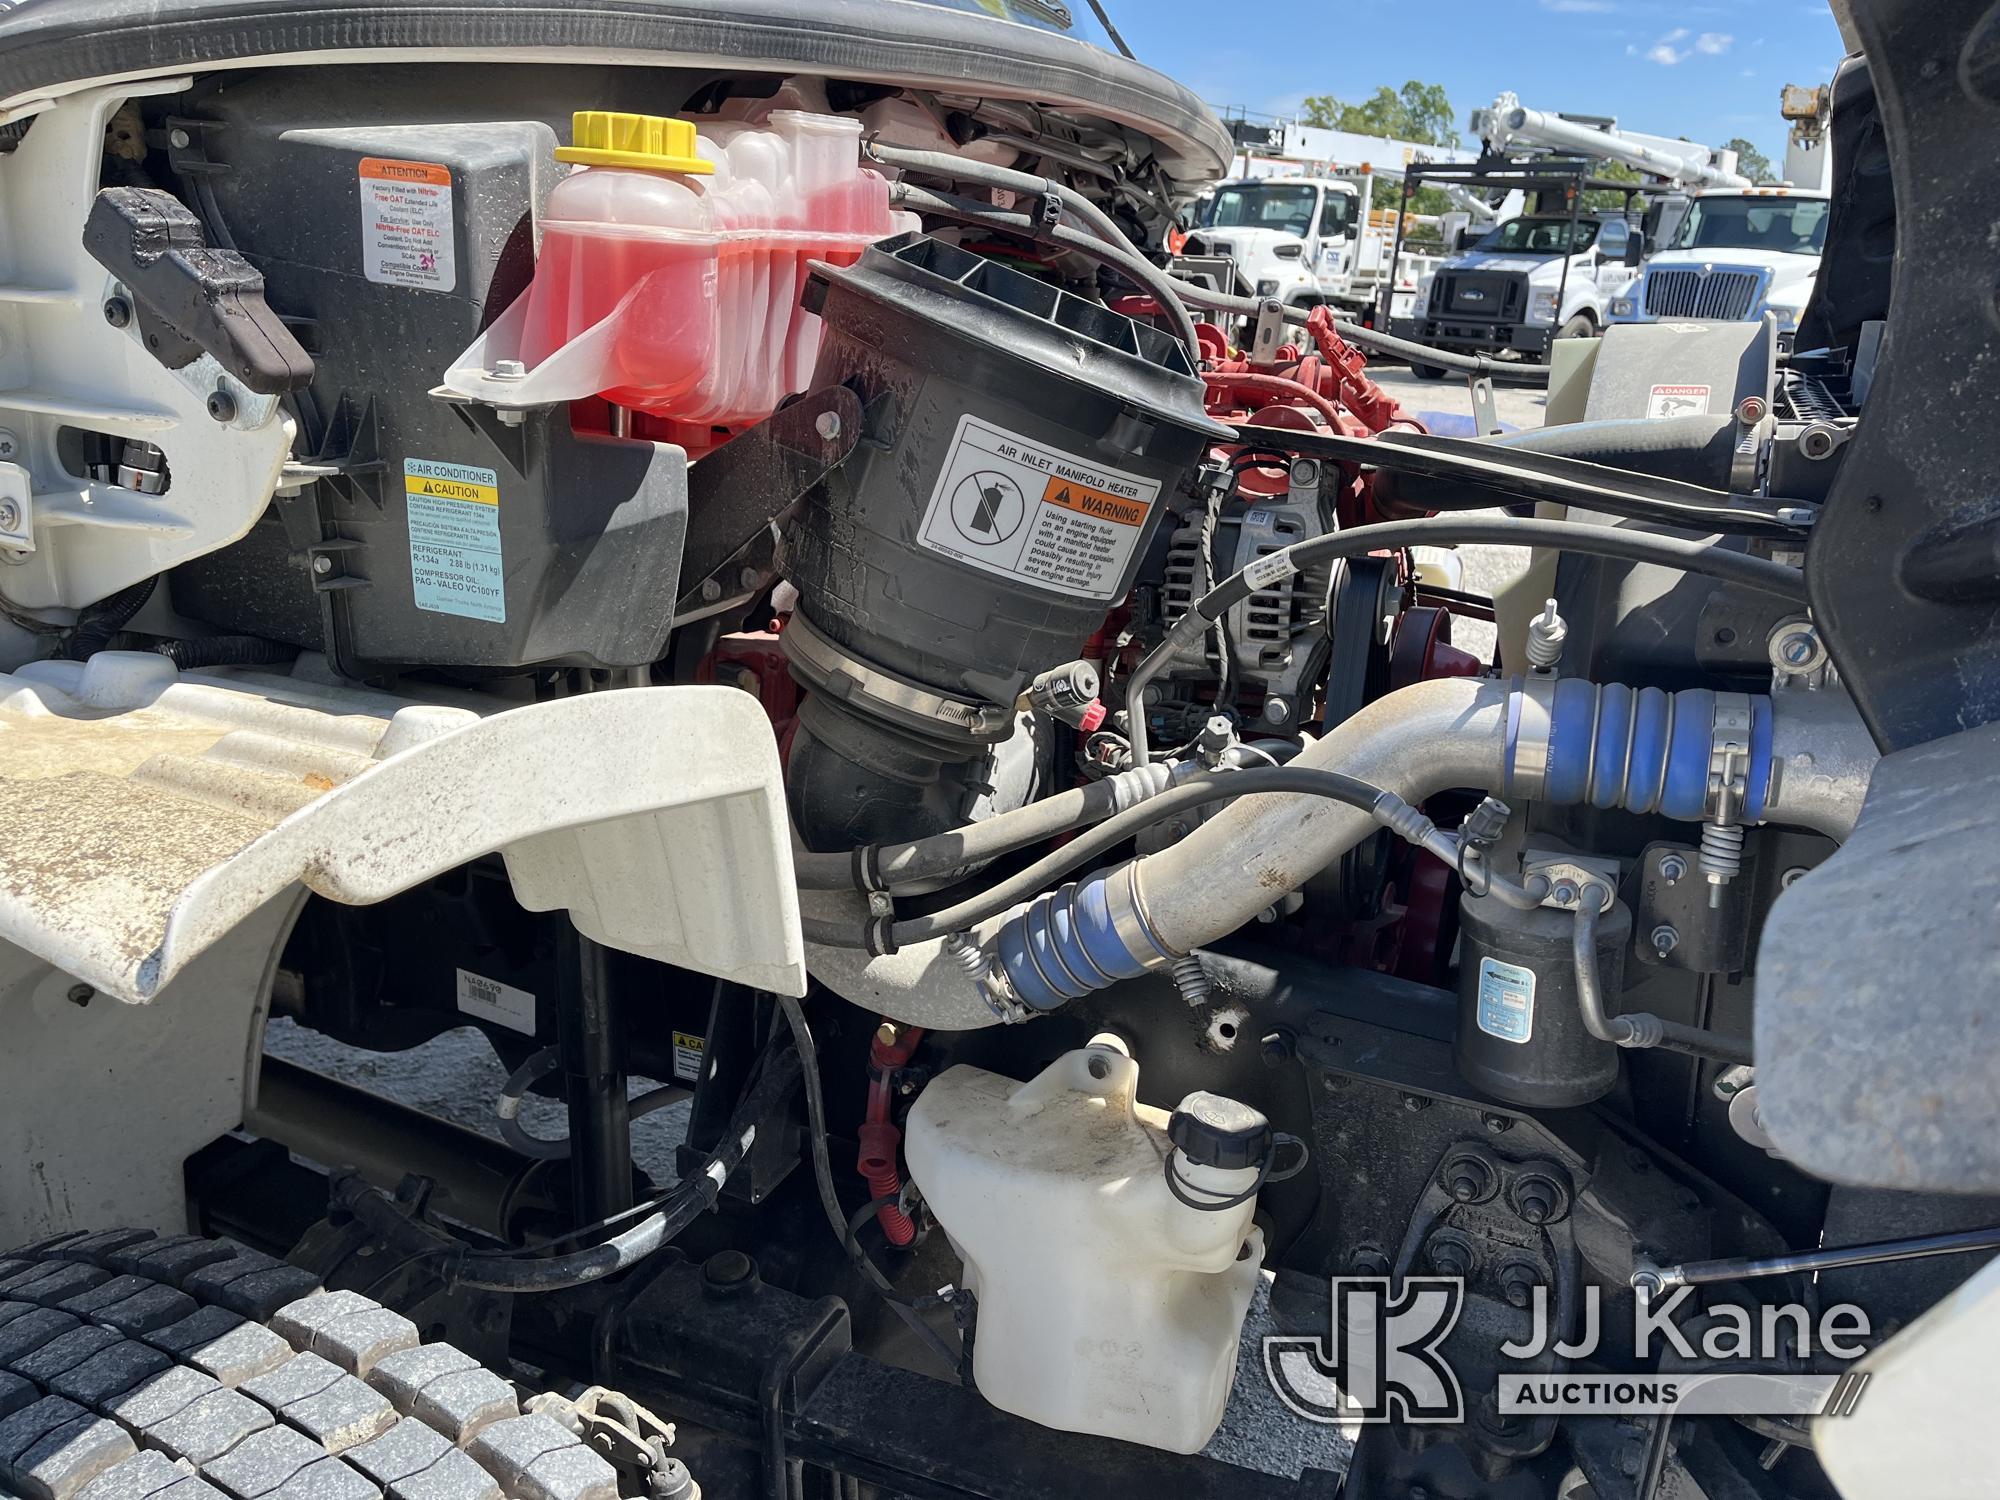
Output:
[[1021, 446]]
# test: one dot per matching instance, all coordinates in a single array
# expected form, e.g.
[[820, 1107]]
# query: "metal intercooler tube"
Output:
[[1566, 742]]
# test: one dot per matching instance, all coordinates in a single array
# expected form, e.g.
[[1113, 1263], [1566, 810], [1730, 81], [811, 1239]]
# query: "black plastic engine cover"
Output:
[[392, 217]]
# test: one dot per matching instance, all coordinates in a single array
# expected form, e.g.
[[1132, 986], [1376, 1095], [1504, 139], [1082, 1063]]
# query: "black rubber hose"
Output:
[[829, 1196], [196, 652], [557, 1148], [517, 1271], [1692, 450], [1508, 531], [1114, 831], [881, 867], [97, 623]]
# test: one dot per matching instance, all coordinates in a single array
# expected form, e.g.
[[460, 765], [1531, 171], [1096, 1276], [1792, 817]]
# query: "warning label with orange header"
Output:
[[406, 231], [1009, 504]]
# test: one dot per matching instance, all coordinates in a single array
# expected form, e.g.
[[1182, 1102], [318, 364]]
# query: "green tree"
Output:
[[1751, 162], [1415, 112], [1597, 200]]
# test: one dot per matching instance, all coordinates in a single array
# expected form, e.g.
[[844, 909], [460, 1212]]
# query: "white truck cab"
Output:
[[1734, 256], [1524, 284], [1292, 238]]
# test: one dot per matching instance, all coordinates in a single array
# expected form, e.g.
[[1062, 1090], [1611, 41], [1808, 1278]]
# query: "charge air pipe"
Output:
[[1556, 740]]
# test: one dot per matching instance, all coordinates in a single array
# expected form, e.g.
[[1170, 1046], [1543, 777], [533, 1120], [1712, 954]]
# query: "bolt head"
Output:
[[221, 406], [1672, 868], [710, 590], [1276, 710], [509, 369], [322, 565], [827, 425], [1665, 940], [1565, 894], [1415, 1103], [117, 312], [10, 516], [178, 138], [80, 994], [886, 1033], [1496, 1124]]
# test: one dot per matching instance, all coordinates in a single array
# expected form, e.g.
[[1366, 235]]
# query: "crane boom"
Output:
[[1683, 164]]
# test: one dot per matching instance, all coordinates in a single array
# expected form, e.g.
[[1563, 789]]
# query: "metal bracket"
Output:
[[17, 508], [1568, 874], [1270, 332], [1485, 413]]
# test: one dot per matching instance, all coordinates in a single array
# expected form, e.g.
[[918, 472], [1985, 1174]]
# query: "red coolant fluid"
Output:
[[671, 265]]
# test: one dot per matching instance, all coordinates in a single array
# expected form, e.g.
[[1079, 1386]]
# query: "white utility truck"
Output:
[[1299, 222], [1734, 255], [1551, 273]]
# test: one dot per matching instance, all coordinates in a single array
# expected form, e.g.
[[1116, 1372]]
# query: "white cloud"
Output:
[[1668, 50]]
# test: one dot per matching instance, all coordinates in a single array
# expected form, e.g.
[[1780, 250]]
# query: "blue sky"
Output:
[[1706, 69]]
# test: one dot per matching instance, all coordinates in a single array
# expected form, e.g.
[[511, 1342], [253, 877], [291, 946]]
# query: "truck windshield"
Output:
[[1541, 237], [1277, 205], [1794, 226]]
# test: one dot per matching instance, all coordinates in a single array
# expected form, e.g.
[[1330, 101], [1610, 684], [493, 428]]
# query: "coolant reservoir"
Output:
[[1105, 1304], [671, 264]]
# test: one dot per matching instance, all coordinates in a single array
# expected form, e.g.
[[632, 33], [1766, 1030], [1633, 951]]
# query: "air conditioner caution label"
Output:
[[454, 518], [1011, 505]]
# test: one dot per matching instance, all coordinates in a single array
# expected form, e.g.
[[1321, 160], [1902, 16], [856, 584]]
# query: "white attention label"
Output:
[[1010, 505], [406, 233]]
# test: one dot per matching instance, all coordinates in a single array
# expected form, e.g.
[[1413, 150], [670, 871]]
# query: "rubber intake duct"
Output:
[[1567, 741], [1021, 446]]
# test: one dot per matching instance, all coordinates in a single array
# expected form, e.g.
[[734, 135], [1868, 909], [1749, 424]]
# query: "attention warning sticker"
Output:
[[454, 518], [1010, 505], [406, 233]]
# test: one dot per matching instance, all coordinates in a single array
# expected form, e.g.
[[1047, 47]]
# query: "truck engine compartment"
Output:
[[751, 587]]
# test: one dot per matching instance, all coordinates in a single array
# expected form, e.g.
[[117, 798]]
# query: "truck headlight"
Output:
[[1288, 252], [1267, 288], [1542, 307], [1788, 317], [1624, 307]]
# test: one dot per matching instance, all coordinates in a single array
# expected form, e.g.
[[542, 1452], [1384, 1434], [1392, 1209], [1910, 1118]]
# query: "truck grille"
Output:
[[1485, 295], [1726, 296]]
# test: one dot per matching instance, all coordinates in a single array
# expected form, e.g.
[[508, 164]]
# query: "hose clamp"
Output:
[[1728, 758], [1129, 919], [1533, 714]]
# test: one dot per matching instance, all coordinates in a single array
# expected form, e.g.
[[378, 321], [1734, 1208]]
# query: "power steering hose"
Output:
[[523, 1271], [1513, 531], [1637, 1029]]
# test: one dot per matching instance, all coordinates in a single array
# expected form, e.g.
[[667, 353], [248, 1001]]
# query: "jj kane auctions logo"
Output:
[[1381, 1359]]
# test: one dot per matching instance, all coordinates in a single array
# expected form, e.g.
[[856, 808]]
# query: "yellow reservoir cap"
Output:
[[653, 143]]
